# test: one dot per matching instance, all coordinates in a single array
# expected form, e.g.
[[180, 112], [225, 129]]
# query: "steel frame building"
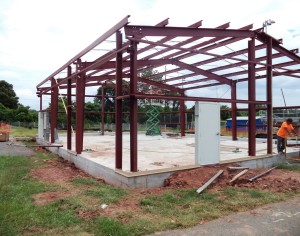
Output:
[[189, 58]]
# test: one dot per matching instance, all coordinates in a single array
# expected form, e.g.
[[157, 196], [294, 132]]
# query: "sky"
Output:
[[38, 36]]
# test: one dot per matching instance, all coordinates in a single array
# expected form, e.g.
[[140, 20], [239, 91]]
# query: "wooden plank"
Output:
[[203, 187], [238, 175], [262, 174]]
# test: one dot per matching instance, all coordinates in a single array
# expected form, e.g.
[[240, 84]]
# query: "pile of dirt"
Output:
[[277, 180]]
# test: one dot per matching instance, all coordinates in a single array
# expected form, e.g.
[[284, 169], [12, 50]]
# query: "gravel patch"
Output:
[[15, 149]]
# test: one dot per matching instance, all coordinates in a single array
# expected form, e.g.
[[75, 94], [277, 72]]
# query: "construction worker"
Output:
[[284, 131]]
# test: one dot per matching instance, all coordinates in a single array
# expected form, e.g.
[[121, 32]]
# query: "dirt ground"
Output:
[[62, 172]]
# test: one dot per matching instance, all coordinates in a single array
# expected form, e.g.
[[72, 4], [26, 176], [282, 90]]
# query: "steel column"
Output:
[[233, 111], [102, 109], [41, 102], [133, 107], [252, 98], [54, 109], [269, 98], [69, 110], [118, 116], [80, 94], [182, 116]]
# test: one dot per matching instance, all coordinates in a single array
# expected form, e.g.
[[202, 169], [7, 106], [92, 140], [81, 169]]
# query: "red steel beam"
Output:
[[182, 116], [99, 62], [54, 109], [276, 66], [118, 114], [263, 37], [239, 64], [233, 111], [161, 24], [80, 94], [41, 102], [194, 51], [252, 98], [229, 55], [99, 40], [187, 98], [210, 47], [269, 93], [69, 110], [213, 43], [182, 43], [202, 72], [179, 56], [133, 108], [160, 85], [102, 109], [165, 39], [139, 31]]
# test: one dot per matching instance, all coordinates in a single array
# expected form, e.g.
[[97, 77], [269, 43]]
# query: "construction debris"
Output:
[[262, 174], [233, 168], [199, 190], [236, 150], [238, 175]]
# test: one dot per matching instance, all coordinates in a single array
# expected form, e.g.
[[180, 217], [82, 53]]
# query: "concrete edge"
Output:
[[151, 178]]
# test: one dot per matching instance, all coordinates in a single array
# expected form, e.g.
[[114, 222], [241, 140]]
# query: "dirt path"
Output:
[[15, 149]]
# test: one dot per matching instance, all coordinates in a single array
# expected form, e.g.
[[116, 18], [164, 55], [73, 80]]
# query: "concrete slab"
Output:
[[158, 156]]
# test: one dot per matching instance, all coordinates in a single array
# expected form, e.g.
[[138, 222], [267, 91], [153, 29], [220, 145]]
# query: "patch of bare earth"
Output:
[[62, 172], [278, 180]]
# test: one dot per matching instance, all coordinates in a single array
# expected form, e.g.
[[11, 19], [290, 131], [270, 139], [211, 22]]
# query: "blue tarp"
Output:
[[242, 123]]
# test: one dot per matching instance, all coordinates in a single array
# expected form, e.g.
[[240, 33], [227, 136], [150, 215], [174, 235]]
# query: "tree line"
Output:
[[11, 110]]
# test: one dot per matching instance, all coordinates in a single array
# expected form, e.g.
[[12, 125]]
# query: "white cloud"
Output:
[[37, 37]]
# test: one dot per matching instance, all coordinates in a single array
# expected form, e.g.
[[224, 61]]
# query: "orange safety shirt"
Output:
[[282, 132]]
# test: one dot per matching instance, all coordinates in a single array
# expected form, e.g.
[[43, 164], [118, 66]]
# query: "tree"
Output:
[[6, 114], [91, 117], [8, 96], [109, 92], [225, 112]]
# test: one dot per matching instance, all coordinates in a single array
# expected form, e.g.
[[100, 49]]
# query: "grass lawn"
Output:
[[80, 209], [170, 209], [23, 132]]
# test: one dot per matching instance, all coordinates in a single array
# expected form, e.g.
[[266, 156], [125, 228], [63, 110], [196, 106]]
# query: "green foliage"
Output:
[[109, 92], [8, 96], [10, 109], [25, 114], [188, 207], [23, 132], [17, 212], [171, 209], [107, 194], [290, 166], [225, 113], [91, 117], [6, 114], [108, 227]]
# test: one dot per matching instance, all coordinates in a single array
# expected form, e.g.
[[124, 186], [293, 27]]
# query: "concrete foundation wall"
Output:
[[114, 177], [149, 179]]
